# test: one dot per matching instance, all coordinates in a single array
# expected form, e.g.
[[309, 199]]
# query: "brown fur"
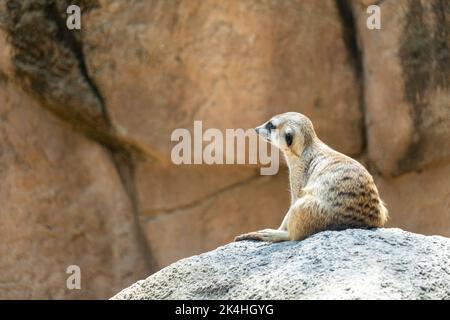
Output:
[[329, 191]]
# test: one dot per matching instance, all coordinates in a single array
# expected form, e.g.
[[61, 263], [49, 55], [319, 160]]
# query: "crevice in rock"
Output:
[[125, 166], [425, 62], [355, 56], [67, 37], [3, 77], [49, 64], [150, 214], [123, 158]]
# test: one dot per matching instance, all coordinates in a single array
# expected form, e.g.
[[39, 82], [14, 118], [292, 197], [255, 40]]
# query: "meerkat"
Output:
[[329, 190]]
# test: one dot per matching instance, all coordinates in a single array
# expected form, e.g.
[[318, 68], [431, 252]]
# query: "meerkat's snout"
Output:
[[262, 132], [266, 130]]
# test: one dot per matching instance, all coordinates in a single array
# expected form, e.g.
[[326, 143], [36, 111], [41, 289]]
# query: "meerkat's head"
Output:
[[291, 132]]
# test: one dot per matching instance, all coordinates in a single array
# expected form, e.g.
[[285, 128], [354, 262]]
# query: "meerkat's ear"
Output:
[[289, 136]]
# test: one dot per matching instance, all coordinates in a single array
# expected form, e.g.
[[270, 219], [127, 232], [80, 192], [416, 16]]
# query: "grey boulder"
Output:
[[349, 264]]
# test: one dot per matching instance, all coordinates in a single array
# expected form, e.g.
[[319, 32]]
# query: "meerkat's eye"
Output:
[[288, 136], [270, 126]]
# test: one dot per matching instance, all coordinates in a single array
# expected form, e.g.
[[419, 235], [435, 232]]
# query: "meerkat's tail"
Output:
[[384, 213]]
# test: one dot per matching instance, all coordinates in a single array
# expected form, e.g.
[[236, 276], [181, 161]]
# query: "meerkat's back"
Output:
[[345, 189]]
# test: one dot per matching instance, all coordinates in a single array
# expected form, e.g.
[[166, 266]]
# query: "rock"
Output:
[[407, 81], [63, 203], [350, 264], [419, 201], [48, 61], [232, 64]]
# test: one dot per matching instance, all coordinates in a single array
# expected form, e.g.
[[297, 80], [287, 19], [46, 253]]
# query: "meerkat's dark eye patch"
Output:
[[288, 137], [270, 126]]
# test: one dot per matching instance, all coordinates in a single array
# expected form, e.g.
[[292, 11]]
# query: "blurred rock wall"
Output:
[[86, 118]]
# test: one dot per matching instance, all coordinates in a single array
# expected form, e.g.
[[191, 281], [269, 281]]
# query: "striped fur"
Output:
[[329, 190]]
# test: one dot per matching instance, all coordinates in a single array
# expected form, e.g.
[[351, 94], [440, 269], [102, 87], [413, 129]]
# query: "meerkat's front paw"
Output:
[[269, 235], [249, 236]]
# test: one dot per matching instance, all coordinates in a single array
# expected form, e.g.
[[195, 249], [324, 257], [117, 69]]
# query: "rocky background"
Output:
[[86, 117]]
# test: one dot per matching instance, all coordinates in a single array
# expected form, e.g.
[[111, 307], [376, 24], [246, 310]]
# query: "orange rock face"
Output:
[[406, 85], [231, 64], [62, 204]]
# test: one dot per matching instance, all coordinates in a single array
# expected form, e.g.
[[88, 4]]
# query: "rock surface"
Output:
[[245, 61], [407, 80], [350, 264], [60, 210], [419, 200]]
